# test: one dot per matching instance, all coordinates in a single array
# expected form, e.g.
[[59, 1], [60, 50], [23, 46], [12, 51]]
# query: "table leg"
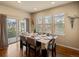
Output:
[[44, 52]]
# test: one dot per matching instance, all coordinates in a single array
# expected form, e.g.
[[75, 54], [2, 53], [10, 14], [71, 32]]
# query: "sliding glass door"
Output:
[[15, 28], [11, 29]]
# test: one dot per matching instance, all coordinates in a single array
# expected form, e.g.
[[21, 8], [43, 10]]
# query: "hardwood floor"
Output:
[[14, 51], [67, 51]]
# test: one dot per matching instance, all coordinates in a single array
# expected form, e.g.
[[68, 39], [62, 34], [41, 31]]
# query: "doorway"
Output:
[[15, 28], [11, 30]]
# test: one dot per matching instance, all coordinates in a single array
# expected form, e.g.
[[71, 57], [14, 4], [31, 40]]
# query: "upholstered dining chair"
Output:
[[52, 46], [23, 42], [34, 45]]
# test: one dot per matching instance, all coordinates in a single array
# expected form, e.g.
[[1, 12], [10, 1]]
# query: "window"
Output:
[[39, 24], [47, 24], [22, 26], [59, 24], [43, 24]]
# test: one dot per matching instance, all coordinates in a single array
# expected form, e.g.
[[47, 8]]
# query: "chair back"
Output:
[[31, 41], [22, 38], [52, 41]]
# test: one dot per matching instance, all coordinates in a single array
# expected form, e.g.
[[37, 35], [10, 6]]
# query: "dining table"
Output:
[[42, 38]]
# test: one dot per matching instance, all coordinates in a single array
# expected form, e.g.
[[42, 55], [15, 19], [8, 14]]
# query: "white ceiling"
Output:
[[28, 6]]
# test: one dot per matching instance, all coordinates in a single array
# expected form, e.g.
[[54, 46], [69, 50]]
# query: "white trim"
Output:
[[69, 47]]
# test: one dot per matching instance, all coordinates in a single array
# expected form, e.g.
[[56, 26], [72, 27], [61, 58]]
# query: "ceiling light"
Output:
[[52, 2], [35, 8], [18, 1]]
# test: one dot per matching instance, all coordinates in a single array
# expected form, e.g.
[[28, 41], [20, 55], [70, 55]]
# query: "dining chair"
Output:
[[23, 42], [52, 46], [33, 44]]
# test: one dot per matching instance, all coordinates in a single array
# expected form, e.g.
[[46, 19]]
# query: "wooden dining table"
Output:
[[43, 39]]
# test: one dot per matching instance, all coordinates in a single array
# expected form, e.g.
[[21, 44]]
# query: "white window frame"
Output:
[[50, 24], [57, 15], [37, 24]]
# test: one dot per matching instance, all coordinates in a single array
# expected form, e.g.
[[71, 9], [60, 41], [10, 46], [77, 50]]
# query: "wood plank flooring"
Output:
[[13, 50], [67, 51]]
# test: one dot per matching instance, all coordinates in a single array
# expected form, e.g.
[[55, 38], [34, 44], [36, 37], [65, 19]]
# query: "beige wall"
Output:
[[71, 36], [14, 13]]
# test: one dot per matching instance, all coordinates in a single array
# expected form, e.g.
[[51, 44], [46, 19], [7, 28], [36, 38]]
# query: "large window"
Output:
[[59, 24], [39, 24], [47, 24], [43, 24]]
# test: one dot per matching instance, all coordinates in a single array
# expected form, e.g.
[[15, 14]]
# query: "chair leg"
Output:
[[26, 49], [29, 50], [21, 45], [35, 51], [55, 50], [52, 51]]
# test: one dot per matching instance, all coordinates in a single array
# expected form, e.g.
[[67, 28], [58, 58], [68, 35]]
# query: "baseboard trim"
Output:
[[67, 50], [69, 47]]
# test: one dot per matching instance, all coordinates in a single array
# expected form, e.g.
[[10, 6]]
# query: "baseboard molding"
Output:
[[67, 50], [69, 47]]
